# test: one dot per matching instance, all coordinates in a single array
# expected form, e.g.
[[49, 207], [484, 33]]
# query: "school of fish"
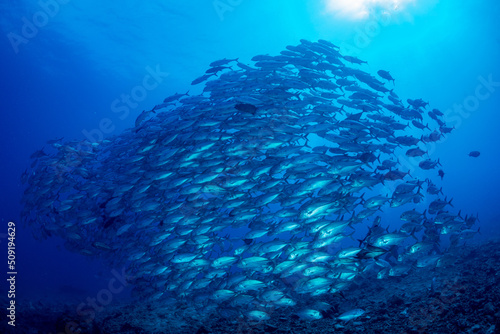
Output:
[[235, 201]]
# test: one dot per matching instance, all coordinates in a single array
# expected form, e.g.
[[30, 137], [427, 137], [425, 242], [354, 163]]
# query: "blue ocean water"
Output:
[[82, 70]]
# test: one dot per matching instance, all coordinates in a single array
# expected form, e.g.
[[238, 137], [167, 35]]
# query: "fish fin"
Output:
[[413, 234], [362, 200], [352, 238]]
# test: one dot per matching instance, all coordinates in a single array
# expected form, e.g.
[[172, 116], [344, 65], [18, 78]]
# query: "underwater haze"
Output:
[[249, 166]]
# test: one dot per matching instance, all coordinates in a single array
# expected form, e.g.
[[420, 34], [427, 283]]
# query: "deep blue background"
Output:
[[65, 78]]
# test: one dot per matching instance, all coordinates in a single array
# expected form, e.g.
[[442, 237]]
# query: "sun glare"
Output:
[[361, 9]]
